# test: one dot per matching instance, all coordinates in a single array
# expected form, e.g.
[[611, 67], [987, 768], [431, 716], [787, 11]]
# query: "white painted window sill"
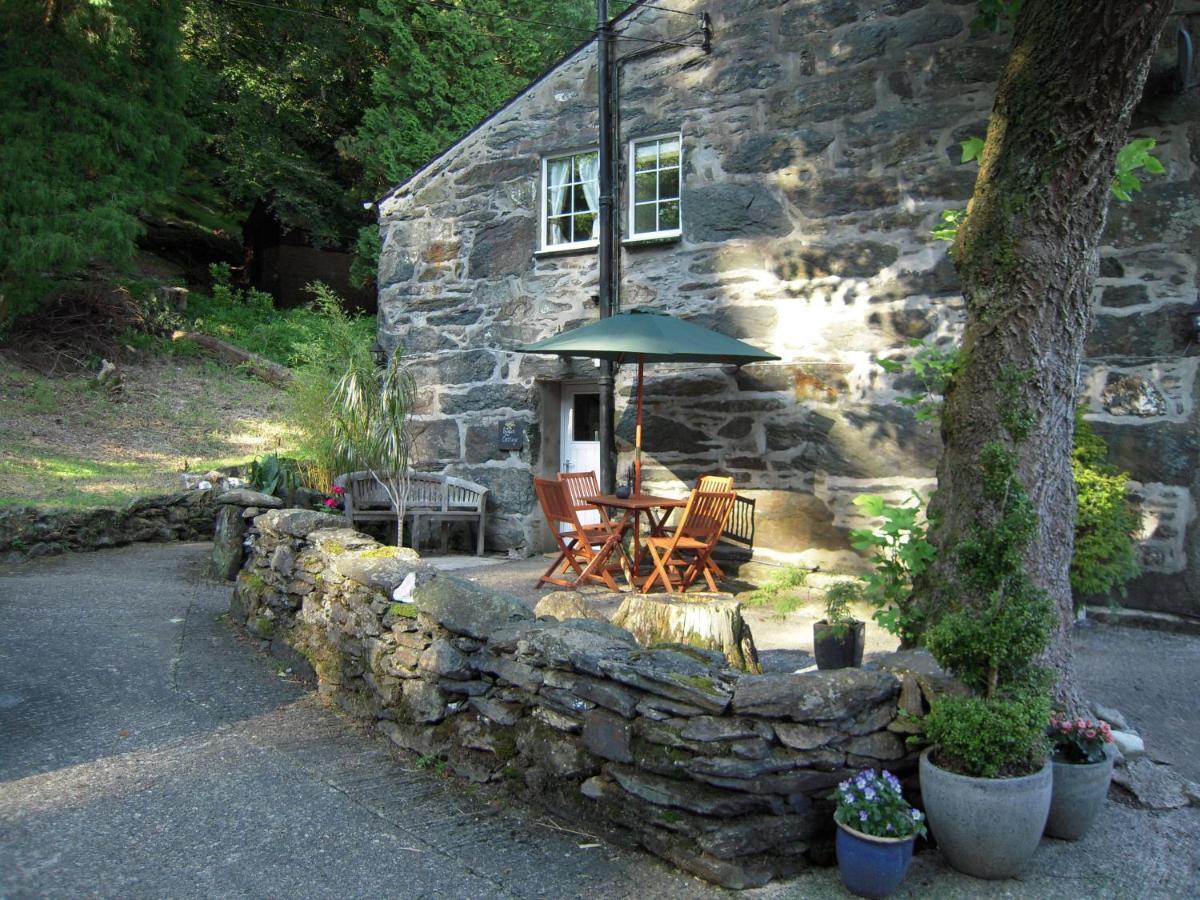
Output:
[[651, 239], [567, 251]]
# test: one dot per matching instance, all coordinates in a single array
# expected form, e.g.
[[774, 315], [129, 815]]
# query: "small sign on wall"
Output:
[[512, 435]]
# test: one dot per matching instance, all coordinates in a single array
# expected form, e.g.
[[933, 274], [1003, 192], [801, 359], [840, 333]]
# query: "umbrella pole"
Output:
[[637, 434]]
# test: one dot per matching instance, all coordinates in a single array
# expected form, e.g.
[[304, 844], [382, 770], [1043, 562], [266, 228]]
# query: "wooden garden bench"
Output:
[[431, 498]]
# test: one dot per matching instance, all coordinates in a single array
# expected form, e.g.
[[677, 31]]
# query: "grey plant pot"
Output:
[[986, 827], [1079, 792]]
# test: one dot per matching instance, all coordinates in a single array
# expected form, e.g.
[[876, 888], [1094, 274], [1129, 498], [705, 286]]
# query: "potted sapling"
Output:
[[986, 780], [839, 638]]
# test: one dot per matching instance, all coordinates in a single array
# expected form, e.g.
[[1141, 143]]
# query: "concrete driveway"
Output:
[[146, 750]]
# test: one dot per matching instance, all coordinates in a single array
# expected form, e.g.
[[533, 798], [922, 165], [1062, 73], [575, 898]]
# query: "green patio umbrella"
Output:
[[647, 336]]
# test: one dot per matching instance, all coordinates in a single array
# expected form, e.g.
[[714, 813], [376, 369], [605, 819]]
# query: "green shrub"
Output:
[[272, 473], [249, 319], [838, 597], [994, 644], [337, 340], [780, 590], [900, 552], [992, 636], [1105, 523], [997, 738]]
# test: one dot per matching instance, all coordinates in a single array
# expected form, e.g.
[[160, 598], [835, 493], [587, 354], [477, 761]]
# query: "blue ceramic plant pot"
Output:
[[872, 866]]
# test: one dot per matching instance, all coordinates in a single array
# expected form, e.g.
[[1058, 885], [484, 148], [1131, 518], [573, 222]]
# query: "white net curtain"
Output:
[[572, 197]]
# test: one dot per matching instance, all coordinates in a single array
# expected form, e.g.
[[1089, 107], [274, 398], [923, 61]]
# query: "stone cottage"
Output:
[[780, 187]]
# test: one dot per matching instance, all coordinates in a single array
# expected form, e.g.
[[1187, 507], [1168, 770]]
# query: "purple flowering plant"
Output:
[[874, 804]]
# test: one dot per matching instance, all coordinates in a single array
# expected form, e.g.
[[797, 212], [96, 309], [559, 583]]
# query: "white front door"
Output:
[[581, 434]]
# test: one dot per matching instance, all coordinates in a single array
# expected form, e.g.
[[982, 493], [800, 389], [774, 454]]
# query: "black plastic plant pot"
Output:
[[839, 647]]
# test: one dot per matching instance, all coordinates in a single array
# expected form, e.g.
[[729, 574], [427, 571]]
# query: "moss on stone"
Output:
[[505, 743], [403, 610], [699, 682], [380, 552], [263, 625]]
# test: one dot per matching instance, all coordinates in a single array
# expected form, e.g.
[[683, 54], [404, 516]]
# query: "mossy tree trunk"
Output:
[[1027, 255]]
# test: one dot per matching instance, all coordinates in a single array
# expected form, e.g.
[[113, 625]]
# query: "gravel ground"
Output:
[[147, 750]]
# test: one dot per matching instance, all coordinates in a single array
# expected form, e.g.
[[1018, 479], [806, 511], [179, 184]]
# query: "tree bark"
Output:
[[1027, 255]]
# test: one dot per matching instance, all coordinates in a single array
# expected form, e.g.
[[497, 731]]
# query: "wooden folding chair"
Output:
[[680, 558], [583, 548], [711, 483], [580, 485], [714, 483]]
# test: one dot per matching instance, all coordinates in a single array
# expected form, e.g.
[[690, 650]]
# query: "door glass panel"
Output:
[[586, 418]]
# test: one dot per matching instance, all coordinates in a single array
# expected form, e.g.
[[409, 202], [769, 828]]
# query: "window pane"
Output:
[[668, 184], [558, 171], [668, 216], [586, 418], [584, 222], [558, 230], [668, 153], [645, 186], [645, 155], [585, 166], [643, 218], [580, 198]]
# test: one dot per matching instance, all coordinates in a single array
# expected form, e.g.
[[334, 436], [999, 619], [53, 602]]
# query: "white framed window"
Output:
[[656, 167], [571, 200]]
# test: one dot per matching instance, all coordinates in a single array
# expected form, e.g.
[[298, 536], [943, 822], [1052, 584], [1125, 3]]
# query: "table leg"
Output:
[[638, 550], [629, 563]]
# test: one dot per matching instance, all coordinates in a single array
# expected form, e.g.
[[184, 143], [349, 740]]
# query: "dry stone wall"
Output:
[[28, 532], [821, 144], [724, 774]]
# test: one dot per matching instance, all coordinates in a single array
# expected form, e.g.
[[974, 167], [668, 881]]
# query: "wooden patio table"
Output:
[[634, 506]]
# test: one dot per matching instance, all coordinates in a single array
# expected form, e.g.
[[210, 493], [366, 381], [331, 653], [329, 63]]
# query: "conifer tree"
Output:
[[93, 128]]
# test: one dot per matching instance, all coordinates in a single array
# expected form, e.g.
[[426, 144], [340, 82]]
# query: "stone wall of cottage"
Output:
[[724, 774], [821, 144]]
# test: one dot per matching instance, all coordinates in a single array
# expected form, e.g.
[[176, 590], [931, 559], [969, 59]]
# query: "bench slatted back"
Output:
[[367, 493], [426, 491], [464, 495]]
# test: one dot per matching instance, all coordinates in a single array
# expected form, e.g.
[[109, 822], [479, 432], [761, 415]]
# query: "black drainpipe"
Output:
[[608, 457]]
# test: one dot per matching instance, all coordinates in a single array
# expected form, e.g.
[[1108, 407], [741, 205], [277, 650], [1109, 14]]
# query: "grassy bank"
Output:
[[65, 444]]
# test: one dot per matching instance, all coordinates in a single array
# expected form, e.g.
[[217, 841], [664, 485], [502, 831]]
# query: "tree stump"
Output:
[[708, 621]]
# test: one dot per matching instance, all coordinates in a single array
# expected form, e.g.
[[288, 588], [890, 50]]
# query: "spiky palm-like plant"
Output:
[[372, 418]]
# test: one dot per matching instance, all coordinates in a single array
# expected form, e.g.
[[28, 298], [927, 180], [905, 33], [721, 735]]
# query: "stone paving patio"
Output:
[[146, 751]]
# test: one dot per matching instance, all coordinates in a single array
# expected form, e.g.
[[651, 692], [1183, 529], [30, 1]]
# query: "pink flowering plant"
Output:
[[1079, 740], [875, 805], [335, 501]]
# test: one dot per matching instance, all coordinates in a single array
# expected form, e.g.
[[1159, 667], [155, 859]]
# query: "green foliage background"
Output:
[[1105, 522], [94, 128], [117, 109]]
